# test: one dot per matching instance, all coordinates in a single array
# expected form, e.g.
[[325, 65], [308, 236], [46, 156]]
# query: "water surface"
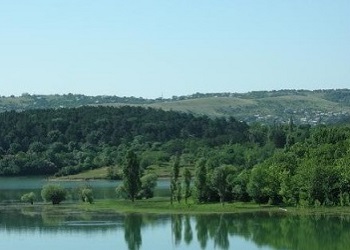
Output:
[[48, 227], [12, 188], [28, 228]]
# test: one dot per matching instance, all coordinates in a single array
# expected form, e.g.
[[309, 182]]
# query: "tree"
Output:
[[54, 193], [257, 184], [219, 182], [178, 194], [29, 197], [148, 183], [174, 185], [201, 181], [131, 175], [187, 181]]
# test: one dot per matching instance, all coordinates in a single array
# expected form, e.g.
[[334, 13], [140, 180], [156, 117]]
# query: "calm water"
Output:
[[33, 228], [28, 229], [11, 189]]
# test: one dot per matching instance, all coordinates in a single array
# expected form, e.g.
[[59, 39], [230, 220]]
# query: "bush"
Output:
[[53, 193], [148, 184], [87, 195], [29, 197], [121, 192]]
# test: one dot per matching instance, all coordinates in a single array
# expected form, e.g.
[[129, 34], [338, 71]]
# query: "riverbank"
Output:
[[163, 206], [151, 206]]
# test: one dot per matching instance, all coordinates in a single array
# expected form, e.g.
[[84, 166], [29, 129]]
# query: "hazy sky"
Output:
[[172, 47]]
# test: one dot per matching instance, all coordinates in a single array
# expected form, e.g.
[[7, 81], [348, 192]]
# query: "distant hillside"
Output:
[[304, 106]]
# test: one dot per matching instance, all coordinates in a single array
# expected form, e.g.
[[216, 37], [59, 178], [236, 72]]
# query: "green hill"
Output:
[[304, 106]]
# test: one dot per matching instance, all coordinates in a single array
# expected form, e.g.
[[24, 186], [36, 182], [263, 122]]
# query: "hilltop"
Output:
[[304, 106]]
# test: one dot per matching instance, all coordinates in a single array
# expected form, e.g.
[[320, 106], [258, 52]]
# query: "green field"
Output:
[[99, 173], [163, 206]]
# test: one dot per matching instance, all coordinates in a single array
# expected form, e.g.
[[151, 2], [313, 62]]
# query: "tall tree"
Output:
[[201, 181], [219, 182], [187, 181], [174, 185], [131, 175]]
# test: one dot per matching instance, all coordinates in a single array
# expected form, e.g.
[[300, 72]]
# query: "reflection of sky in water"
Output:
[[156, 236], [62, 241]]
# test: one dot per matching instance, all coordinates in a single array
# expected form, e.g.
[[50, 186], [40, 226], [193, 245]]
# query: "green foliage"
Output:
[[187, 183], [121, 192], [148, 184], [283, 163], [314, 172], [151, 157], [86, 194], [69, 141], [175, 185], [222, 180], [178, 194], [29, 197], [53, 193], [113, 173], [201, 183], [131, 175], [257, 187]]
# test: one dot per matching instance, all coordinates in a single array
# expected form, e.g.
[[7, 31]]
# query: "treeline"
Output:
[[27, 101], [313, 171], [338, 95], [67, 141]]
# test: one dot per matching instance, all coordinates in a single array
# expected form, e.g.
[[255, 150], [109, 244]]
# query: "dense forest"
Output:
[[229, 160], [64, 141]]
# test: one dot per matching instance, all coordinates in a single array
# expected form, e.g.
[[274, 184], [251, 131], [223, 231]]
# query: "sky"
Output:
[[165, 48]]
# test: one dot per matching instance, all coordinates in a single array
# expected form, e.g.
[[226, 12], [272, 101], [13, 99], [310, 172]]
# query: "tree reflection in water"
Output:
[[176, 228], [188, 235], [132, 231], [222, 231]]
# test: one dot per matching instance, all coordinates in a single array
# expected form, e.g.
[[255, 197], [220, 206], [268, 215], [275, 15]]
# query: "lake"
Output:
[[29, 229], [47, 227], [12, 188]]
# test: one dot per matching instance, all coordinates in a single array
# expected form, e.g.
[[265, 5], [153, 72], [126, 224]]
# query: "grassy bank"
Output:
[[163, 206], [102, 173], [94, 174]]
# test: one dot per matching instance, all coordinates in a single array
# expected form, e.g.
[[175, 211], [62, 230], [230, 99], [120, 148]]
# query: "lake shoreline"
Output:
[[163, 206]]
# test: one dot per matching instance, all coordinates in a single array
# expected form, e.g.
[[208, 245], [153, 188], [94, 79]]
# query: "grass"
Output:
[[160, 205], [206, 106], [102, 173], [161, 171], [163, 206], [98, 173], [156, 205]]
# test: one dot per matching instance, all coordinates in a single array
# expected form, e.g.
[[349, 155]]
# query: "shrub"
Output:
[[29, 197], [87, 195], [53, 193], [148, 184]]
